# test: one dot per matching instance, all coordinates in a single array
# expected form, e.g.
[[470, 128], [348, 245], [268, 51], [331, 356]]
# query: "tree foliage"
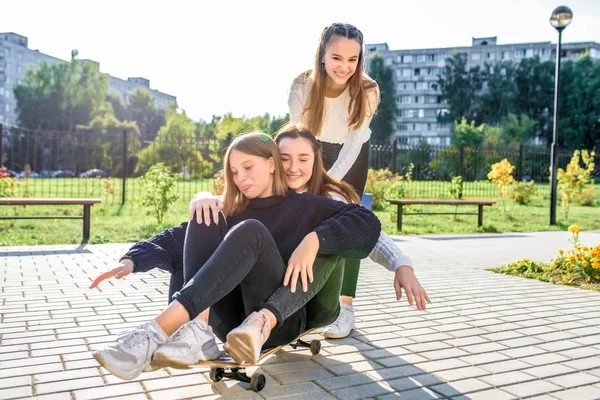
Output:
[[382, 124], [459, 87], [61, 96]]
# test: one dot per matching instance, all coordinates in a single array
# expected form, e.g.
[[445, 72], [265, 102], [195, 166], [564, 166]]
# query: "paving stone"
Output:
[[546, 371], [305, 388], [362, 391], [457, 388], [125, 389], [415, 394], [491, 394], [581, 393], [584, 363], [507, 378], [531, 388], [574, 380]]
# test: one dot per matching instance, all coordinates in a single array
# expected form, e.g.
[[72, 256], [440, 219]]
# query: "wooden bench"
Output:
[[87, 203], [479, 203]]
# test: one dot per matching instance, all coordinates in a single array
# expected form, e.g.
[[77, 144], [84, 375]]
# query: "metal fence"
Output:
[[105, 163]]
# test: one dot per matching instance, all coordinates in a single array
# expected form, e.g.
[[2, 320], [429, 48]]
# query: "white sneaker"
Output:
[[245, 342], [343, 325], [194, 341], [132, 352]]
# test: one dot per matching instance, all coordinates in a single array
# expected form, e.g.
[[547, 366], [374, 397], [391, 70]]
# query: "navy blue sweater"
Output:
[[348, 230]]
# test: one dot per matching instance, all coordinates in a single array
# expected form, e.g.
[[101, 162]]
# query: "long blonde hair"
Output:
[[359, 83], [255, 144], [320, 182]]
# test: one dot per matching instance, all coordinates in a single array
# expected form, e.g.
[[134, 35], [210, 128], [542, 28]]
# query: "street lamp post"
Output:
[[560, 18]]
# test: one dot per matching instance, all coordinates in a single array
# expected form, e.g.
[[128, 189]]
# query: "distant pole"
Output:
[[124, 166], [560, 18], [1, 146]]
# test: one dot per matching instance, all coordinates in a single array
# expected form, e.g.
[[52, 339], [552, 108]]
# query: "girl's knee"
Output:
[[250, 228]]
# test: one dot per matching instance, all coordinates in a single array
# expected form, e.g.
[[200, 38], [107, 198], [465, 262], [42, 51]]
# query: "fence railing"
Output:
[[105, 163]]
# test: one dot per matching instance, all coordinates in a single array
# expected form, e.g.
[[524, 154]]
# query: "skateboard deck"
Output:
[[227, 361], [226, 367]]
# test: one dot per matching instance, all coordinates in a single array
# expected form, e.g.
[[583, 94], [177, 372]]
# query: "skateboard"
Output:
[[226, 367]]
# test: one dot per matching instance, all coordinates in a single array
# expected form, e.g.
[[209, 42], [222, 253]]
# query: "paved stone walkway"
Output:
[[485, 336]]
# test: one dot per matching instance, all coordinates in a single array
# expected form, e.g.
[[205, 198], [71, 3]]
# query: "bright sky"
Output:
[[240, 56]]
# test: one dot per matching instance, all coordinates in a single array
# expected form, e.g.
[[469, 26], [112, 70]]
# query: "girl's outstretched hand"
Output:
[[124, 269], [205, 205], [415, 294], [301, 263]]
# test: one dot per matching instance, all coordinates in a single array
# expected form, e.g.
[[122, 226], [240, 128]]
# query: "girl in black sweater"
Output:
[[267, 237]]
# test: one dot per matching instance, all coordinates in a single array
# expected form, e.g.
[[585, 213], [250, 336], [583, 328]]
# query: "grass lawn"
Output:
[[113, 223]]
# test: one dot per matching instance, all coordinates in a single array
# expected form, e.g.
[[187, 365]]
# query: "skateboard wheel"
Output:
[[216, 374], [257, 383], [315, 346]]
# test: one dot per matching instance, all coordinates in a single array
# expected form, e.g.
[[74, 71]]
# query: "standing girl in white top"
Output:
[[337, 100]]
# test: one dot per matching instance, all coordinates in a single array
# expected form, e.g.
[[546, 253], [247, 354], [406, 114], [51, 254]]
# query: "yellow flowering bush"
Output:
[[582, 261], [502, 175], [579, 266], [573, 180]]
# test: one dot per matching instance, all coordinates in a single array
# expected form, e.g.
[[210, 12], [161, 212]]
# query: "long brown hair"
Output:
[[254, 144], [320, 183], [359, 83]]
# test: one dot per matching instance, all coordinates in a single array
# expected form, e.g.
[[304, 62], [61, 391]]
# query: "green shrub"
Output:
[[159, 192], [455, 190], [523, 192], [378, 182]]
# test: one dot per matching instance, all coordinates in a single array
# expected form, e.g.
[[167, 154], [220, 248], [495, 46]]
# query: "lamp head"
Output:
[[561, 17]]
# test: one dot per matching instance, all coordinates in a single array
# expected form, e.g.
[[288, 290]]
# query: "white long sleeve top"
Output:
[[385, 252], [335, 123]]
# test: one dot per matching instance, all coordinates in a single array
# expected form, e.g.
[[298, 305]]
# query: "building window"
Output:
[[505, 55], [475, 56], [406, 72], [491, 56], [402, 140], [6, 108], [401, 127], [420, 58], [438, 99], [520, 53], [417, 71], [421, 113], [433, 86], [431, 57], [405, 99]]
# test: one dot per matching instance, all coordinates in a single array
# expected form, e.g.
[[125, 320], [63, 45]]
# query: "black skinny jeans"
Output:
[[239, 270]]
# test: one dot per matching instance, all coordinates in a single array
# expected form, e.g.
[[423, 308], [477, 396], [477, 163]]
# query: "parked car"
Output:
[[92, 173], [32, 174], [64, 173], [46, 174]]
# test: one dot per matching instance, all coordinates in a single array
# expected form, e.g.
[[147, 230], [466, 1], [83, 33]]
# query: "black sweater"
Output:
[[348, 230]]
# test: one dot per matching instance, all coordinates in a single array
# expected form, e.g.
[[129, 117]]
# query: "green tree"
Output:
[[61, 96], [382, 124], [498, 98], [517, 130], [580, 103], [104, 144], [176, 145], [460, 86], [535, 85], [143, 112]]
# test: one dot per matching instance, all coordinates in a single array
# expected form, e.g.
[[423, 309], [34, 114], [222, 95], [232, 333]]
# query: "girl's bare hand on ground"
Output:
[[122, 270], [301, 263], [415, 294], [205, 205]]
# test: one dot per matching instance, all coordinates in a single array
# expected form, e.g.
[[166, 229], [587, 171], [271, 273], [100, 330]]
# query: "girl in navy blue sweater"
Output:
[[268, 237]]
